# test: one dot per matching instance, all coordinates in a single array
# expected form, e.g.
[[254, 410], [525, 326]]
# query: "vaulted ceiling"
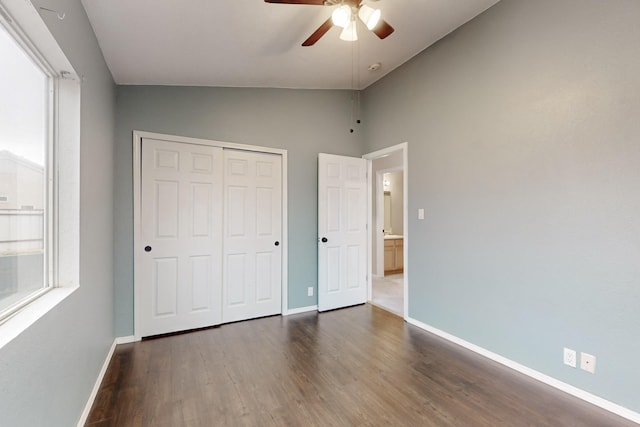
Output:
[[250, 43]]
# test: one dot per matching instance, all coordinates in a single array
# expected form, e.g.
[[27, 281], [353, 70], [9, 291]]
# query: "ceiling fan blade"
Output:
[[383, 29], [314, 2], [322, 29]]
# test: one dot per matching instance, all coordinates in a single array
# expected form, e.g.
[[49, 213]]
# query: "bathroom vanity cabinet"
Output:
[[393, 254]]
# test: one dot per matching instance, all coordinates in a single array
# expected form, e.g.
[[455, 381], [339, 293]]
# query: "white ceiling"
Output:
[[250, 43]]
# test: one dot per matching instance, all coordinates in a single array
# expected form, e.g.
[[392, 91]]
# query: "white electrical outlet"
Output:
[[569, 357], [588, 362], [310, 291]]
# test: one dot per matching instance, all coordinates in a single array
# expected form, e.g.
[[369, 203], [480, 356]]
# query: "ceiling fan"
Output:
[[345, 15]]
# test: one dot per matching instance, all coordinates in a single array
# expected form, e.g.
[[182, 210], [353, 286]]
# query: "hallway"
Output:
[[388, 293]]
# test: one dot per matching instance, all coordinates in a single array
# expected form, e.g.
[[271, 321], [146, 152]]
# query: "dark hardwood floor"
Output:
[[359, 366]]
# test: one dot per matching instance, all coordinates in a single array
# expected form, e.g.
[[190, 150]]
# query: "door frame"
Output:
[[370, 157], [138, 244]]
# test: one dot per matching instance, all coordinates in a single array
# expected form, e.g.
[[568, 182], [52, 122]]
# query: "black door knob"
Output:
[[324, 240], [147, 248], [277, 243]]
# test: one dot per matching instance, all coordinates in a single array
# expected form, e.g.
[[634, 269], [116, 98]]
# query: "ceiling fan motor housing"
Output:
[[369, 16]]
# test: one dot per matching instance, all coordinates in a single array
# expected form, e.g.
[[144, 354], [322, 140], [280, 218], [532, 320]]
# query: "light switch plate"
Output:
[[420, 213]]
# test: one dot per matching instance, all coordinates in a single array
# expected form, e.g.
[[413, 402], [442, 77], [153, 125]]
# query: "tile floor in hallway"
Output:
[[388, 293]]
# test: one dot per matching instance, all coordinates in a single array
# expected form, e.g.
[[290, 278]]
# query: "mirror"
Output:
[[387, 212]]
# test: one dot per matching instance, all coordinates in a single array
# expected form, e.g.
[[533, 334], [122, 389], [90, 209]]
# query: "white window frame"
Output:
[[23, 22]]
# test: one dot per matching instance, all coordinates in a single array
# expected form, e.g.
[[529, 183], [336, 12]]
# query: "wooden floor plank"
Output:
[[360, 366]]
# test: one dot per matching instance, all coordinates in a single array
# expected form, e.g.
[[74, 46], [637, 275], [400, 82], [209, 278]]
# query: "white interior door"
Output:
[[342, 231], [181, 225], [252, 275]]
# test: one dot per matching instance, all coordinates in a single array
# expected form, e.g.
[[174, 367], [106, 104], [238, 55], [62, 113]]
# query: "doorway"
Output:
[[388, 239]]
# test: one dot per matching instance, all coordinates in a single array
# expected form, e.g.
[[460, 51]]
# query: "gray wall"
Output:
[[304, 122], [47, 373], [523, 130]]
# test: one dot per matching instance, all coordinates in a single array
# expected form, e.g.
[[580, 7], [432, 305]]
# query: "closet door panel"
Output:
[[180, 259], [252, 232]]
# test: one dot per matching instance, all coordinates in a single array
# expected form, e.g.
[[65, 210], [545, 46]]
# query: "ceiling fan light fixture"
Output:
[[369, 16], [349, 33], [341, 16]]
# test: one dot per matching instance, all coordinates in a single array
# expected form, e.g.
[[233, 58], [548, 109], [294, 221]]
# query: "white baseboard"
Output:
[[562, 386], [125, 340], [301, 310], [103, 371], [96, 386]]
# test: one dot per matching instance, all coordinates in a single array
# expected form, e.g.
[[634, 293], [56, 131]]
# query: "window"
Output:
[[24, 173], [39, 170]]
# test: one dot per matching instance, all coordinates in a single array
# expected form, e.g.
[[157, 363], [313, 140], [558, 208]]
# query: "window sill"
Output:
[[30, 314]]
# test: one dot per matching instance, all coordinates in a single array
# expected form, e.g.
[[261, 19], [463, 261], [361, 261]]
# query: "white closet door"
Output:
[[342, 231], [181, 218], [252, 263]]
